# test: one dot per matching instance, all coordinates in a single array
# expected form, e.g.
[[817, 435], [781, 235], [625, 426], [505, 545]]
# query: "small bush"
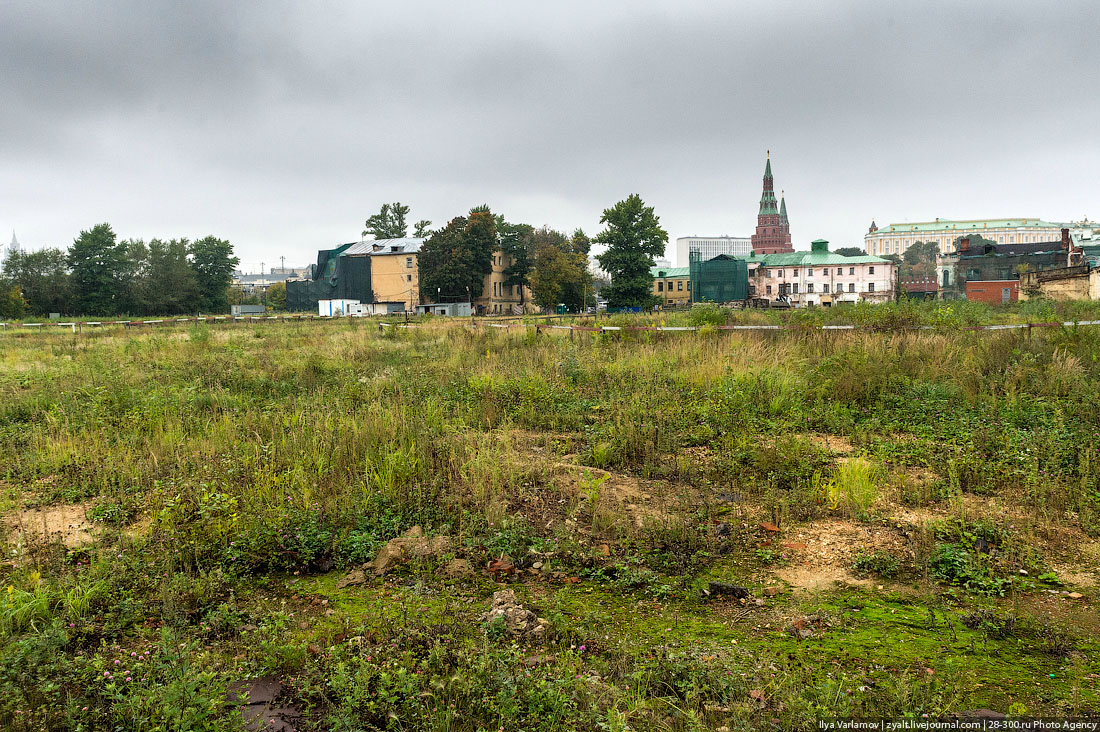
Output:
[[879, 564]]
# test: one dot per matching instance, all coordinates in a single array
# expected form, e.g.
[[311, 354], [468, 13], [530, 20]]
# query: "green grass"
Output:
[[233, 475]]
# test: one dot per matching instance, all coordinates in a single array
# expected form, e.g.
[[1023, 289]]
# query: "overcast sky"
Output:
[[282, 126]]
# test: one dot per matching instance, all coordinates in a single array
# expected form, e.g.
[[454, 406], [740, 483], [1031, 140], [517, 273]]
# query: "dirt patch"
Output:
[[832, 443], [642, 500], [67, 523], [820, 555]]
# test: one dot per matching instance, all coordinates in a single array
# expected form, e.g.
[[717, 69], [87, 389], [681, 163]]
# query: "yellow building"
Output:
[[498, 298], [672, 285], [394, 274], [395, 280], [896, 238]]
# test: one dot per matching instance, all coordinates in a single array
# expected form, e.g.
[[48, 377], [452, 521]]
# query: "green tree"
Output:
[[453, 261], [633, 237], [212, 262], [849, 252], [100, 272], [172, 281], [276, 296], [517, 242], [561, 276], [43, 278], [389, 223], [977, 241], [421, 228], [12, 304]]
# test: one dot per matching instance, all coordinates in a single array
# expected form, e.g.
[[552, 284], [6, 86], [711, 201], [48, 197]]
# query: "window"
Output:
[[871, 270], [825, 288], [660, 286], [408, 262], [794, 273], [851, 287], [689, 285], [840, 270], [768, 289], [870, 287], [851, 270], [780, 273], [794, 288], [680, 285], [810, 288], [408, 278], [809, 273]]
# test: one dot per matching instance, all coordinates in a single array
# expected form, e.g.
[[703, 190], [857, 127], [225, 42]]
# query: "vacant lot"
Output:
[[894, 523]]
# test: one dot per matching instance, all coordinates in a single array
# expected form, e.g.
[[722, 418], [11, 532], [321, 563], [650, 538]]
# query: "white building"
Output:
[[896, 238], [820, 277], [710, 247]]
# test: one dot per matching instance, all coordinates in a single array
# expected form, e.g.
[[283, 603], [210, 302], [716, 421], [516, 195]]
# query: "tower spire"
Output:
[[783, 206], [773, 232]]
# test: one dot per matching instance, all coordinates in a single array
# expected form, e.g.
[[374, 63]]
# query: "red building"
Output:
[[773, 231], [993, 292]]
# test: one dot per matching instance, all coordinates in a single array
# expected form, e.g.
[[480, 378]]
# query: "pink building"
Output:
[[820, 277]]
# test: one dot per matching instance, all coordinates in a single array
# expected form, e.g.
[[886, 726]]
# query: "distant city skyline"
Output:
[[283, 130]]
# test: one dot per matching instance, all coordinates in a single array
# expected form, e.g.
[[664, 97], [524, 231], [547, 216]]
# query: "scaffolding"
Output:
[[719, 280]]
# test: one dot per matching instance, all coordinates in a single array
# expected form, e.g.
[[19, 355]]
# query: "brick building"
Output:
[[773, 230]]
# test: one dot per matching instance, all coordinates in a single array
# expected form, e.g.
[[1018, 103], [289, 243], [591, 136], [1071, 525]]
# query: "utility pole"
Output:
[[282, 264], [261, 269]]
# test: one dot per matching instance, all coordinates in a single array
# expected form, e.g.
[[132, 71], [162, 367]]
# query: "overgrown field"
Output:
[[899, 523]]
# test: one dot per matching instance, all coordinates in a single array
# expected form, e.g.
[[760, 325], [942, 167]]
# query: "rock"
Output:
[[536, 565], [772, 591], [354, 577], [719, 589], [722, 529], [1074, 595], [759, 602], [412, 544], [604, 550], [799, 630], [456, 569], [519, 621]]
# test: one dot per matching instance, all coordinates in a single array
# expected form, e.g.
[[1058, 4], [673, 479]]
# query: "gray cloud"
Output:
[[283, 125]]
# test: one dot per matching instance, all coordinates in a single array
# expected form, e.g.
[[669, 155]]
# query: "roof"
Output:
[[811, 259], [967, 225], [670, 271], [1010, 250], [407, 245]]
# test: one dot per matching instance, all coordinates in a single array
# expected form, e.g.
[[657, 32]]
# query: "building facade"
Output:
[[672, 285], [820, 277], [896, 238], [773, 230], [497, 298], [710, 247], [968, 263], [395, 277]]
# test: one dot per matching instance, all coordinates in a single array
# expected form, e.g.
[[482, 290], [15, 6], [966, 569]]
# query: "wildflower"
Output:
[[582, 649]]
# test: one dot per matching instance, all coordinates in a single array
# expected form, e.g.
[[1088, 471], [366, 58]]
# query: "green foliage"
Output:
[[389, 222], [633, 237], [854, 487], [850, 252], [877, 563], [99, 272], [12, 303], [276, 296], [43, 278], [213, 263], [453, 261]]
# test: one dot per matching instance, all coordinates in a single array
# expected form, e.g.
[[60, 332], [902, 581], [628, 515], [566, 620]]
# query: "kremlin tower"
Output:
[[773, 231]]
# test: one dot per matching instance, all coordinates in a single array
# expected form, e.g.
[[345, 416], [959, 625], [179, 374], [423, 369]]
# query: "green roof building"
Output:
[[896, 238]]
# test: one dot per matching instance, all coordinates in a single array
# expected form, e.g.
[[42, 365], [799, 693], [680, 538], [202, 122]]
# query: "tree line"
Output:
[[98, 275], [454, 259]]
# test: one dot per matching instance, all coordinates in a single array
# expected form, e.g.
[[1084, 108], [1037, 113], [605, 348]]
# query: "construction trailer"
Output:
[[451, 309], [340, 307], [238, 310]]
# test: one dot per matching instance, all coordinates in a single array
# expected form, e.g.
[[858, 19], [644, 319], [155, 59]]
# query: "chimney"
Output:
[[1065, 239], [964, 244]]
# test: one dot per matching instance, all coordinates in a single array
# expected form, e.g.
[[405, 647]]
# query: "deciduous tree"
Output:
[[43, 278], [99, 270], [633, 237], [453, 261], [389, 223], [213, 263]]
